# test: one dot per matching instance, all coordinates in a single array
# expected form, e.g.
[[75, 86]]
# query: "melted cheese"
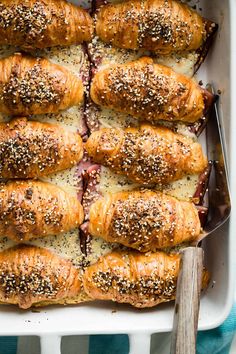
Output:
[[113, 183], [181, 64], [70, 119], [98, 248], [112, 119], [67, 179], [104, 55], [66, 245], [73, 58], [183, 189], [108, 118], [6, 243]]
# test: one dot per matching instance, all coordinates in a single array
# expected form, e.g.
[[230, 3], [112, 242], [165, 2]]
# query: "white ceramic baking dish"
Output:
[[97, 318]]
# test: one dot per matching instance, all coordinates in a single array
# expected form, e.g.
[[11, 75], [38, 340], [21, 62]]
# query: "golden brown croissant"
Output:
[[31, 149], [43, 23], [147, 154], [29, 275], [162, 26], [141, 280], [148, 91], [145, 220], [30, 209], [35, 86]]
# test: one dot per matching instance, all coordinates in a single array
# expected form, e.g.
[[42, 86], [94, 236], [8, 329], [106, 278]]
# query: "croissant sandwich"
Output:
[[147, 154], [162, 26], [31, 149], [134, 278], [43, 23], [35, 86], [149, 91], [145, 220], [31, 275], [30, 209]]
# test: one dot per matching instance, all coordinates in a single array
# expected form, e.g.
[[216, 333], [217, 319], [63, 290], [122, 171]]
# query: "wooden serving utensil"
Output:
[[187, 302], [219, 206]]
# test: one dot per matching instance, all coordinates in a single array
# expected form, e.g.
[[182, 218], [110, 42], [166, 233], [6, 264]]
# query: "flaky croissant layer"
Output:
[[148, 91], [29, 275], [31, 85], [30, 209], [137, 279], [147, 154], [42, 23], [145, 220], [31, 149], [162, 26]]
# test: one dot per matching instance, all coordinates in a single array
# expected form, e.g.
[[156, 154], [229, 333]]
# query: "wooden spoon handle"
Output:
[[187, 302]]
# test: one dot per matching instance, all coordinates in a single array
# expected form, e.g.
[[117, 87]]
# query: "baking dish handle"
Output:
[[139, 343], [50, 344]]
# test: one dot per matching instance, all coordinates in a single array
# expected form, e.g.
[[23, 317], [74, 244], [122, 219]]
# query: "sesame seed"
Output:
[[31, 22], [144, 288], [19, 154], [36, 86], [161, 163], [142, 92]]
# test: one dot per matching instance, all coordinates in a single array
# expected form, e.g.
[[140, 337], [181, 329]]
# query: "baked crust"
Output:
[[148, 154], [31, 209], [30, 149], [140, 280], [162, 26], [31, 85], [30, 275], [148, 91], [40, 23], [145, 220]]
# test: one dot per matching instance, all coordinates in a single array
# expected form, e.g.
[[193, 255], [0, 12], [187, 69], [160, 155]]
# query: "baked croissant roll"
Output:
[[31, 209], [162, 26], [145, 220], [134, 278], [29, 275], [43, 23], [35, 86], [30, 149], [149, 91], [147, 154]]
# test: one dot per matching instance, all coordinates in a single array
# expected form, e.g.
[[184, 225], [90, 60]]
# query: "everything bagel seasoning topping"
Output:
[[153, 287], [30, 21], [37, 86], [19, 154], [142, 90]]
